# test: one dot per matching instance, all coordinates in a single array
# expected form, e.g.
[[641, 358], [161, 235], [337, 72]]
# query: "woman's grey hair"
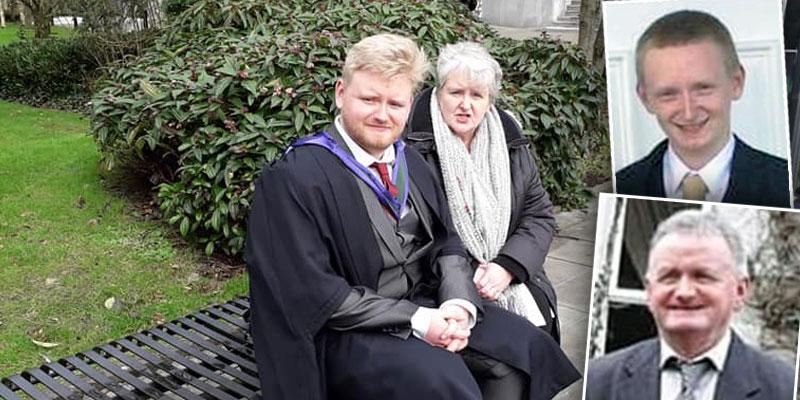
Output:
[[703, 223], [474, 60]]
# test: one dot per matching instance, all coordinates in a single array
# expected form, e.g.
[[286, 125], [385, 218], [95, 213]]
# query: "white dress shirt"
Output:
[[707, 384], [422, 317], [716, 173]]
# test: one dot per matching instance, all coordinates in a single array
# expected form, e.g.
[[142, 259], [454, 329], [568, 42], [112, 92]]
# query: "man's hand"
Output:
[[445, 329], [491, 279], [458, 321]]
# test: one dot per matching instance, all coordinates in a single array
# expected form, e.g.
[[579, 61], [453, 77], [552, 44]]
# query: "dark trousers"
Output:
[[376, 365]]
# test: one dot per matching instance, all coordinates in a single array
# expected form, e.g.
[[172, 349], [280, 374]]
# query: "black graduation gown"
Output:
[[310, 239]]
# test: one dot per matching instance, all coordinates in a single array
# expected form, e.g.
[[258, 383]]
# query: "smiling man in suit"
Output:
[[696, 280], [688, 75]]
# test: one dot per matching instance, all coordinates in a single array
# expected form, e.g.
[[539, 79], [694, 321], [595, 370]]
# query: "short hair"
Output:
[[474, 60], [702, 223], [389, 55], [686, 27]]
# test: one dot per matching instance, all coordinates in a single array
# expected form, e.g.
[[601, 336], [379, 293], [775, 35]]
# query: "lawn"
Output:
[[67, 245], [10, 32]]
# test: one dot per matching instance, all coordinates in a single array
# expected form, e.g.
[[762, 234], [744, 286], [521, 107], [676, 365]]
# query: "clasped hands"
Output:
[[449, 327]]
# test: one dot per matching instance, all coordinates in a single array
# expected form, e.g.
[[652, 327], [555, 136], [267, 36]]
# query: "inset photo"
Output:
[[697, 100], [693, 301]]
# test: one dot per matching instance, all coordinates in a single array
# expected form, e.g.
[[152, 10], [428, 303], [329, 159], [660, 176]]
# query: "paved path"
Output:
[[569, 266]]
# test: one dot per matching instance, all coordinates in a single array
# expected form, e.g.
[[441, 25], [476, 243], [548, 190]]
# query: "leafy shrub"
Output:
[[52, 67], [559, 100], [59, 72], [173, 8], [232, 82]]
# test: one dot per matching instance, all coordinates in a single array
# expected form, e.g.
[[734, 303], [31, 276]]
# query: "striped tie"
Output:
[[691, 372]]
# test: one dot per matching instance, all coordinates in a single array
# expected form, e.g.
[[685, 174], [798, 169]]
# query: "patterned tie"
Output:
[[383, 171], [691, 372], [694, 188]]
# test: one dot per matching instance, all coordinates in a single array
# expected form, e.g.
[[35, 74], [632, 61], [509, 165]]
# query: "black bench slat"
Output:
[[52, 384], [210, 346], [221, 327], [242, 302], [227, 317], [127, 377], [182, 374], [204, 355], [213, 362], [195, 367], [233, 309], [6, 393], [100, 378], [75, 380], [143, 370], [224, 339], [28, 388]]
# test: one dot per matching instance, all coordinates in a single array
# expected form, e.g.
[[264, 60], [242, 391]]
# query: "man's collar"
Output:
[[359, 153], [717, 354], [715, 173]]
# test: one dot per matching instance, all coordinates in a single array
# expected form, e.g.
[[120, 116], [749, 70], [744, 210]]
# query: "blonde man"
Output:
[[359, 284]]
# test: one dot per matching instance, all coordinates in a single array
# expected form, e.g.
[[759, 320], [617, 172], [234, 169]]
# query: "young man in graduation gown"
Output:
[[359, 285]]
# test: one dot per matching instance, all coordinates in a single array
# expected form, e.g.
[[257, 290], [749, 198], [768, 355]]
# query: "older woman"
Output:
[[497, 202]]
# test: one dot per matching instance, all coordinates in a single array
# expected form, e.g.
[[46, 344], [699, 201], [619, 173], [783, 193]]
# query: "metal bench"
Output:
[[205, 355]]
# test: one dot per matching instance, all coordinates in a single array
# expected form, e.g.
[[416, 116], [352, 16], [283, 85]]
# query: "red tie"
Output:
[[387, 181]]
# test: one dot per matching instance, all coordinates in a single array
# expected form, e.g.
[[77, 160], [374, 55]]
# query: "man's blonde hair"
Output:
[[389, 55]]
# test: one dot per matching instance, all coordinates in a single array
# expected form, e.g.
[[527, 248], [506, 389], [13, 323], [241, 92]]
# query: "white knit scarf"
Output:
[[477, 184]]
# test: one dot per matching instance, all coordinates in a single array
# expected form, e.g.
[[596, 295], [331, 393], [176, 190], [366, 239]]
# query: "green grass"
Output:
[[67, 245], [10, 34]]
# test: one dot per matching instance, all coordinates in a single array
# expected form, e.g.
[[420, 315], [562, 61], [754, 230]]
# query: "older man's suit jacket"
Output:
[[633, 374], [757, 178]]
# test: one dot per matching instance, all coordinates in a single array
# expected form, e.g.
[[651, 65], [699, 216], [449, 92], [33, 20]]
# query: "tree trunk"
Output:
[[598, 56], [21, 8], [2, 14], [42, 12], [42, 21], [590, 31]]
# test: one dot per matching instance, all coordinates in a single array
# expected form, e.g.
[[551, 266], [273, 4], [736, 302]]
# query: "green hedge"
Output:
[[59, 72], [233, 82], [54, 67]]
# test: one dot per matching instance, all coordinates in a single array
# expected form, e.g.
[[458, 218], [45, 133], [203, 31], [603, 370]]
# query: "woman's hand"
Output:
[[491, 279]]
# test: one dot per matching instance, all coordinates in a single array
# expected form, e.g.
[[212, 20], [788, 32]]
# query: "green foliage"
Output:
[[173, 8], [59, 71], [559, 99], [48, 67], [233, 82]]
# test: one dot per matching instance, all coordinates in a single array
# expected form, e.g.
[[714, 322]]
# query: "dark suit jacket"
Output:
[[757, 178], [633, 374]]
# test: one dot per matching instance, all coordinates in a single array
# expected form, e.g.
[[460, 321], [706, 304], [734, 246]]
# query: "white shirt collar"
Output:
[[359, 153], [717, 354], [715, 173]]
